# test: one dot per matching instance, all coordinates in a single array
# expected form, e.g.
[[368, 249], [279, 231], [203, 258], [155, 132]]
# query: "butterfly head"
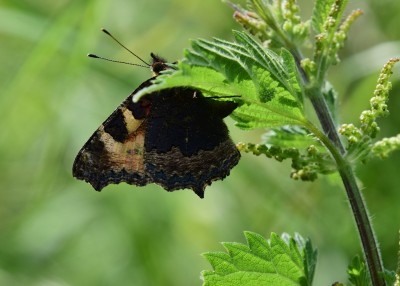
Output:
[[158, 64]]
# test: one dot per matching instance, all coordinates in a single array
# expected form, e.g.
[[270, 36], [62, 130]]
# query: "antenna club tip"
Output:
[[92, 56], [105, 31]]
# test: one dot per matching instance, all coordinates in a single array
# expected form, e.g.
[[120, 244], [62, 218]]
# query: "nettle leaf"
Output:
[[310, 259], [292, 136], [266, 85], [359, 276], [320, 14], [330, 95], [279, 261], [390, 277], [358, 273]]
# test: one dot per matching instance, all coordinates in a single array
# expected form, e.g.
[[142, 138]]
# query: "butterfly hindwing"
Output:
[[187, 143]]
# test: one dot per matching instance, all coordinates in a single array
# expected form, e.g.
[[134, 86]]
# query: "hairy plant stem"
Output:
[[326, 120], [331, 140]]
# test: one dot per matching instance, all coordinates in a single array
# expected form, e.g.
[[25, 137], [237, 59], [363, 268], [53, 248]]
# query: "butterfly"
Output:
[[174, 137]]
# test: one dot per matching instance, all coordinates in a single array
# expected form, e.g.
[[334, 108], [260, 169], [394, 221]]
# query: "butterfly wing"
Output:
[[187, 143], [175, 138], [114, 153]]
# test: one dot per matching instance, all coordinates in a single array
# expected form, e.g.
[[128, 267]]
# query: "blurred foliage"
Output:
[[55, 230]]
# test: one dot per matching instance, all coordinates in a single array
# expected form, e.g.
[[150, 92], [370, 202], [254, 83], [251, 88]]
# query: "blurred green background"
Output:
[[55, 230]]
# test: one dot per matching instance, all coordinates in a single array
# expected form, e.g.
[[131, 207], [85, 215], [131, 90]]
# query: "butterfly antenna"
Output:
[[115, 61], [135, 55]]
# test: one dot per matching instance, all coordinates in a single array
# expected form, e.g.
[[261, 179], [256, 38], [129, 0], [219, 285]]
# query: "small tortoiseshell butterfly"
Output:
[[174, 137]]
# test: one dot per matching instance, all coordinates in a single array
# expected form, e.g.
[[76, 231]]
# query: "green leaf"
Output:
[[292, 136], [326, 19], [320, 14], [390, 277], [265, 84], [358, 273], [310, 256], [278, 261], [330, 95], [327, 15]]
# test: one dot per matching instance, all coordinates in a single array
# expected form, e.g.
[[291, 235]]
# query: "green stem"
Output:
[[398, 264], [332, 141], [371, 250], [326, 120]]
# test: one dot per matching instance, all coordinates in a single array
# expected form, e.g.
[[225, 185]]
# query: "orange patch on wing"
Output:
[[129, 154], [131, 123]]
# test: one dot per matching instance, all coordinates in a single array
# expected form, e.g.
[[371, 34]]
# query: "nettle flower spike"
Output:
[[331, 33], [378, 101], [308, 156], [385, 146], [369, 128], [275, 23]]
